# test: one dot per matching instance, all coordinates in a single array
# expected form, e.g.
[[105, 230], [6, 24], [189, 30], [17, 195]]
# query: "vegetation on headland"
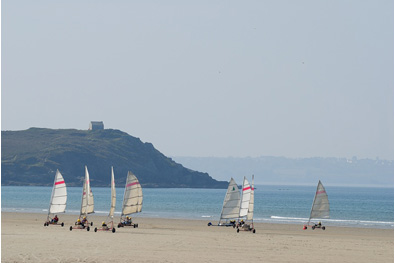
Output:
[[31, 157]]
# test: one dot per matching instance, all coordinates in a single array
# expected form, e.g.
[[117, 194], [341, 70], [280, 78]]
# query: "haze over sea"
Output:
[[350, 206]]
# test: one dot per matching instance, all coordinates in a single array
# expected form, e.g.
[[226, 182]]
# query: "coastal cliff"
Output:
[[31, 157]]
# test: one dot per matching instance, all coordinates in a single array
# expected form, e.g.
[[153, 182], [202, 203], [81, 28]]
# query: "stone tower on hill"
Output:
[[96, 125]]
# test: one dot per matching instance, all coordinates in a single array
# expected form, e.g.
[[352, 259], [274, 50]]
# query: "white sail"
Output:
[[245, 198], [87, 203], [133, 196], [113, 195], [250, 213], [58, 200], [320, 207], [231, 205]]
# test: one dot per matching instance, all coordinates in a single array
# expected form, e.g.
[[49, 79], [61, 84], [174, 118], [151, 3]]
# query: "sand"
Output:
[[25, 239]]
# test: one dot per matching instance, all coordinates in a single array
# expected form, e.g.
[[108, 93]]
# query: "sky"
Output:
[[206, 78]]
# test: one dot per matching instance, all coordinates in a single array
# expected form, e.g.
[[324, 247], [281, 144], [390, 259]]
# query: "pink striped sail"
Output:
[[133, 196], [250, 213], [320, 207], [131, 184], [61, 182], [58, 200], [245, 198]]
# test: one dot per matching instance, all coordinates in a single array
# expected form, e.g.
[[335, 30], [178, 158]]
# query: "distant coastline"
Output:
[[297, 171]]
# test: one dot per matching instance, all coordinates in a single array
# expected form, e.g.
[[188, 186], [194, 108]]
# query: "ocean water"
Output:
[[350, 206]]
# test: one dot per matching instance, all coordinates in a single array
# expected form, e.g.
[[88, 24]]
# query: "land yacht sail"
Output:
[[108, 225], [87, 202], [113, 196], [231, 205], [132, 200], [320, 207], [245, 198], [247, 207], [250, 213], [87, 205], [57, 203]]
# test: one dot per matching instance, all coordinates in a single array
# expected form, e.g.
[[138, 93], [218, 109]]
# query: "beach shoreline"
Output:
[[25, 239], [214, 220]]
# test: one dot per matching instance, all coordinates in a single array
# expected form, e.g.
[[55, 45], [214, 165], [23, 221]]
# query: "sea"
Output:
[[365, 207]]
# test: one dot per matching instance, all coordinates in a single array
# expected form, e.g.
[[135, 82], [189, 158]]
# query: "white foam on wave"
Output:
[[106, 212], [288, 218], [341, 222], [377, 222]]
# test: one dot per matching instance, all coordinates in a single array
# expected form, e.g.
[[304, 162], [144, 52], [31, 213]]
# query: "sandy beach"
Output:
[[25, 239]]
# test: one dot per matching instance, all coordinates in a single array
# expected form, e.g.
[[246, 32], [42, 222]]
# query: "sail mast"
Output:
[[113, 195], [83, 196], [89, 195], [139, 198], [124, 195]]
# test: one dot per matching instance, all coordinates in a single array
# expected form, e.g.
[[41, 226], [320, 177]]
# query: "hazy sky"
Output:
[[206, 78]]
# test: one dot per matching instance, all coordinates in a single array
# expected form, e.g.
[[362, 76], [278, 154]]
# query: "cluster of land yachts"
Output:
[[237, 209], [241, 207], [132, 203]]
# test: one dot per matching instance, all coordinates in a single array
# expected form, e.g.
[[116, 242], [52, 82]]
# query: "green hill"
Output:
[[31, 157]]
